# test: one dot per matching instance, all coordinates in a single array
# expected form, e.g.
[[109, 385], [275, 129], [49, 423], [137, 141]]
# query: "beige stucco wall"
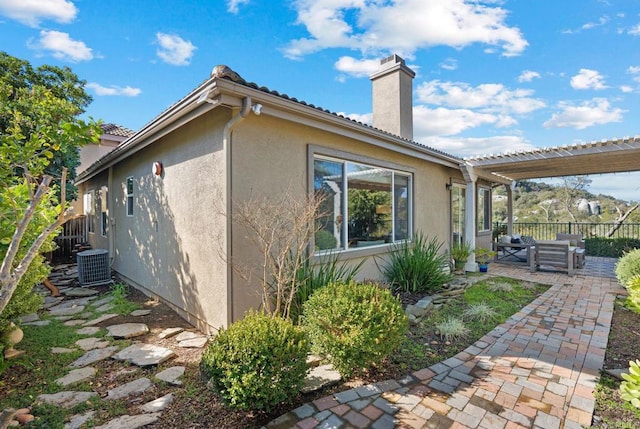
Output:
[[271, 155], [95, 238], [171, 246]]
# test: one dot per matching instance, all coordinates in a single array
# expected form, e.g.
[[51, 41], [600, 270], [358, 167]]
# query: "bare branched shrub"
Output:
[[280, 227]]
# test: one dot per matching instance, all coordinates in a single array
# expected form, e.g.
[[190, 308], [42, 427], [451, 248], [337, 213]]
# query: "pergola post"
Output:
[[470, 214], [510, 188]]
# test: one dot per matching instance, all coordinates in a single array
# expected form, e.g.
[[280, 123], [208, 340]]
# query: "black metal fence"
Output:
[[548, 231]]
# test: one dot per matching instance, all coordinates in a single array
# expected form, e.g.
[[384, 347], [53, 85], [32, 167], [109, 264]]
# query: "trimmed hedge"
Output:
[[610, 247], [259, 362], [354, 325]]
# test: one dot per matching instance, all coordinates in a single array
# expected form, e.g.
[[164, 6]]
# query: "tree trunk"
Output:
[[618, 223]]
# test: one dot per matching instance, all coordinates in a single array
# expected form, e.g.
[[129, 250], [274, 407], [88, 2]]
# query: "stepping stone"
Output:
[[78, 420], [131, 422], [104, 308], [62, 350], [38, 323], [74, 302], [74, 322], [63, 318], [171, 375], [187, 336], [93, 356], [89, 330], [29, 318], [136, 387], [61, 282], [196, 343], [92, 343], [77, 376], [50, 301], [127, 330], [66, 311], [144, 354], [319, 377], [157, 404], [617, 373], [67, 399], [101, 319], [169, 332], [137, 313], [102, 301]]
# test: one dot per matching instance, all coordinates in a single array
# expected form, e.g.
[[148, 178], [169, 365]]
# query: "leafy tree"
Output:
[[40, 133]]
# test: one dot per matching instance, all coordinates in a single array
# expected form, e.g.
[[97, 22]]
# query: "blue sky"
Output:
[[492, 76]]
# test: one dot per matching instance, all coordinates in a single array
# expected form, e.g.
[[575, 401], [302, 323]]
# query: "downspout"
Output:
[[111, 225], [226, 147]]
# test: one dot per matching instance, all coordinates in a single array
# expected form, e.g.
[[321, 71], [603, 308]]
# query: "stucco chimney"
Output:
[[393, 97]]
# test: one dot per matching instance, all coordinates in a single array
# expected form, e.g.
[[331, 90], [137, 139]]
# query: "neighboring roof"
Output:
[[116, 130], [610, 156], [191, 106]]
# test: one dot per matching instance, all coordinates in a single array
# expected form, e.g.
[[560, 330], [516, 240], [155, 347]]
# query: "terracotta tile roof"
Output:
[[116, 130]]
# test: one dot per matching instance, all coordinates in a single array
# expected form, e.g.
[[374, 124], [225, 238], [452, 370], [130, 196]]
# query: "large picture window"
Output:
[[361, 205]]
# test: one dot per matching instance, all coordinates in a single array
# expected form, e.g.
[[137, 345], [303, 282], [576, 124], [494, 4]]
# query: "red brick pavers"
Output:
[[537, 370]]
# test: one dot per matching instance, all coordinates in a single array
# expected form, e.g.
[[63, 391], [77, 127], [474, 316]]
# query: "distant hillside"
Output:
[[570, 202]]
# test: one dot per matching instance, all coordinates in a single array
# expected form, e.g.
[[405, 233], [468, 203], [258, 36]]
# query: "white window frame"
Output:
[[345, 160], [89, 210], [104, 211], [129, 196], [484, 207]]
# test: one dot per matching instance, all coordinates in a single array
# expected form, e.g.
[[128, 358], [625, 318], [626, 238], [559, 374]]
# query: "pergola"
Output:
[[611, 156]]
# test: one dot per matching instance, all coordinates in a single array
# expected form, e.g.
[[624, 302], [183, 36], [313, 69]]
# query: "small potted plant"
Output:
[[483, 256], [460, 253]]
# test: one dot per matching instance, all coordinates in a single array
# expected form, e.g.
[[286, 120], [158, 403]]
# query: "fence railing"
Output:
[[548, 231]]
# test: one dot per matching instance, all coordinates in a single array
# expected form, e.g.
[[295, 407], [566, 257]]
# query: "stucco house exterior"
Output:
[[167, 192]]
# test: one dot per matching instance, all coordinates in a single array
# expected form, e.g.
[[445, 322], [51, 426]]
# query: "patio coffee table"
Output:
[[506, 250]]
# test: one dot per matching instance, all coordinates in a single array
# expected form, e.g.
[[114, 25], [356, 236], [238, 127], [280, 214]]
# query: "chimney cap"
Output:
[[390, 64]]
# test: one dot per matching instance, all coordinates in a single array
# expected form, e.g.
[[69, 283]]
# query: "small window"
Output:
[[89, 210], [484, 209], [129, 196]]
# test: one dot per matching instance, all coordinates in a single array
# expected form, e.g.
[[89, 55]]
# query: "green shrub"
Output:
[[259, 362], [610, 247], [628, 267], [354, 325], [311, 277], [417, 266], [633, 298], [324, 240], [630, 388]]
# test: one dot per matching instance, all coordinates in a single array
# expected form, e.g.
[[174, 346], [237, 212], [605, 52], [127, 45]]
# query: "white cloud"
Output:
[[233, 5], [588, 79], [365, 118], [528, 76], [32, 12], [446, 122], [357, 68], [592, 112], [402, 26], [62, 46], [449, 64], [126, 91], [174, 50], [626, 88], [633, 69], [602, 21], [474, 146], [490, 97], [635, 30]]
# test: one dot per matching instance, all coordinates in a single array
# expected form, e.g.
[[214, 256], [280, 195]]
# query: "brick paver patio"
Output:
[[537, 370]]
